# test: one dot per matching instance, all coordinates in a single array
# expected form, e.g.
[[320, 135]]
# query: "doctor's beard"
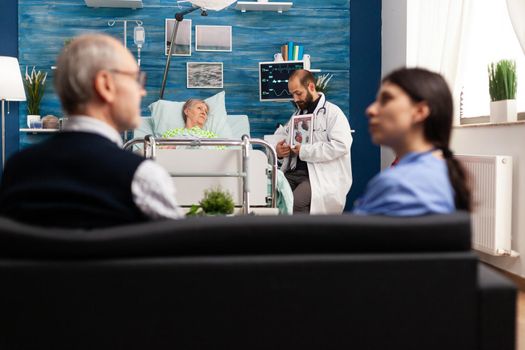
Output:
[[306, 103]]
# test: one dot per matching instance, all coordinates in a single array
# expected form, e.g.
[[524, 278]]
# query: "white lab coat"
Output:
[[328, 158]]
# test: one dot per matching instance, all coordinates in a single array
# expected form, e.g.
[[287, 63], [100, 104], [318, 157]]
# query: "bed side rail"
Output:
[[150, 144]]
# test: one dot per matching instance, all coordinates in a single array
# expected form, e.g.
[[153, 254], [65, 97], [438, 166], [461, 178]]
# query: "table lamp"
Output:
[[204, 6], [11, 89]]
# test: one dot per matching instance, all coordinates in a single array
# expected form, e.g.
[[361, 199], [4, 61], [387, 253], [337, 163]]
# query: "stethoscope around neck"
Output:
[[316, 115]]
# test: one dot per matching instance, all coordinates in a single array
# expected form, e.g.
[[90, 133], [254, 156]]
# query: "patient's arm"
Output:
[[154, 192]]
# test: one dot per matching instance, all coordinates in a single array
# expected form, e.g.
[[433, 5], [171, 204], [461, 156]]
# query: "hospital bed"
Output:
[[239, 126], [250, 175]]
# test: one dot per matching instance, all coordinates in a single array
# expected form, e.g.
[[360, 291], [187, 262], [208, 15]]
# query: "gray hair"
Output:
[[77, 66], [190, 103]]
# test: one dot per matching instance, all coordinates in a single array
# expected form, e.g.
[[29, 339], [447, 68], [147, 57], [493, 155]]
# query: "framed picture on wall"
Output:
[[182, 46], [213, 38], [204, 75]]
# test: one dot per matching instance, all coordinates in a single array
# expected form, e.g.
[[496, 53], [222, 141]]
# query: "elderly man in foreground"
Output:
[[81, 177]]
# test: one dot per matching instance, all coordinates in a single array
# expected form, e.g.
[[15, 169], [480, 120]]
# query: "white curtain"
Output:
[[517, 16], [437, 33]]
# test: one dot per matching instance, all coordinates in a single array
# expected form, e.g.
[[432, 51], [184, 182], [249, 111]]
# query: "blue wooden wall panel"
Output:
[[365, 72], [322, 27]]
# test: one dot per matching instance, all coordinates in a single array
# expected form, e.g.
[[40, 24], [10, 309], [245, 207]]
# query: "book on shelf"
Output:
[[284, 52], [292, 52]]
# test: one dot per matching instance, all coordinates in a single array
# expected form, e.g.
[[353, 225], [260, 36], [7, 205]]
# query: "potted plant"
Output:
[[35, 84], [502, 89], [215, 202], [321, 85]]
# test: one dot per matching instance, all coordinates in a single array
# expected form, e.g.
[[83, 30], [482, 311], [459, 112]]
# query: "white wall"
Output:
[[394, 40], [394, 48], [501, 140]]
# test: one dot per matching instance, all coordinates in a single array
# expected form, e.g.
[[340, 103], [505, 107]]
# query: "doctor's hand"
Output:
[[296, 149], [282, 149]]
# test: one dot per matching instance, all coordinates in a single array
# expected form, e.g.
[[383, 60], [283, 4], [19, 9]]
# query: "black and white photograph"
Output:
[[301, 129], [213, 38], [207, 75], [182, 45]]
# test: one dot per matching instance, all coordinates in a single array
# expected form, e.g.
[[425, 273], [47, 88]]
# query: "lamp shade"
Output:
[[214, 5], [11, 84]]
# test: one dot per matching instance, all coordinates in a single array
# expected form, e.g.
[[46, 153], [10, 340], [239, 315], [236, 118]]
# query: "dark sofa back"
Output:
[[241, 235], [242, 283]]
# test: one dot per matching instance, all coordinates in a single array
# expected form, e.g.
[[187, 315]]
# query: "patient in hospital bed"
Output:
[[205, 119], [195, 114]]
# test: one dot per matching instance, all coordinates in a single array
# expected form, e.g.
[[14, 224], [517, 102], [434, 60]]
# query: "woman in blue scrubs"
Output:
[[413, 115]]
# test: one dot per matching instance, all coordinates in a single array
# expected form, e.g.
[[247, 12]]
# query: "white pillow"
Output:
[[167, 115]]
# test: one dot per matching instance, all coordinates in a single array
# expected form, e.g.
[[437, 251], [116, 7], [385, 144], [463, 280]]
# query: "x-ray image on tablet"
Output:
[[301, 129]]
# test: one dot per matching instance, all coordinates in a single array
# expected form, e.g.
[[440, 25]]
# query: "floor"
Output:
[[521, 321], [520, 317]]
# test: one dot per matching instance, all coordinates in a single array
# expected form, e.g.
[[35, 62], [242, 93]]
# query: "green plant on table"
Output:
[[502, 80], [215, 202], [35, 84]]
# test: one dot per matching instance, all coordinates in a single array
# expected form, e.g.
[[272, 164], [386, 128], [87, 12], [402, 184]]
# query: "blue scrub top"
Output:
[[417, 185]]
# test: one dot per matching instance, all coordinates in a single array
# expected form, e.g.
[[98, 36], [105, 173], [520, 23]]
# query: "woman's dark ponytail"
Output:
[[458, 179], [423, 85]]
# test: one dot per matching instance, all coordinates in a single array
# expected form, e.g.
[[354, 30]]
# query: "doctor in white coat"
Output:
[[319, 172]]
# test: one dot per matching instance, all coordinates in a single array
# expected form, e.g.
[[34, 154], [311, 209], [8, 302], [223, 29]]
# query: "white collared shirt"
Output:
[[82, 123], [152, 188]]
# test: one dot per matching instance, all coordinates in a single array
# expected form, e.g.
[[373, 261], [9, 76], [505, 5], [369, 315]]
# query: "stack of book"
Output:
[[292, 51]]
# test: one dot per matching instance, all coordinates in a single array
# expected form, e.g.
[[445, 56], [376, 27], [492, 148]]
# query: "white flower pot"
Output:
[[503, 111], [32, 119]]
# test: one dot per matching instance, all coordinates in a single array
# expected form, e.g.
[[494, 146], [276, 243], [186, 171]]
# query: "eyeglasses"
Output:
[[139, 76]]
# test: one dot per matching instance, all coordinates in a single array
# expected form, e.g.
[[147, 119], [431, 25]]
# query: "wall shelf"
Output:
[[263, 5], [38, 131], [132, 4]]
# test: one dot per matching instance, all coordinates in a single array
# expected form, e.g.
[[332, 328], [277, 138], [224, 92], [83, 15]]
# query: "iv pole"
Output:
[[125, 21], [178, 18]]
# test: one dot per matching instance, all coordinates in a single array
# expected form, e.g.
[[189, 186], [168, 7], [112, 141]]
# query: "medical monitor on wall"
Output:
[[273, 79]]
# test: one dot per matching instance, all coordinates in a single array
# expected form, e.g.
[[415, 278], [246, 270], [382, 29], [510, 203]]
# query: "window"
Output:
[[459, 39], [490, 37]]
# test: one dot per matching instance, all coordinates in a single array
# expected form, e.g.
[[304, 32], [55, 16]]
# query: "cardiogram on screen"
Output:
[[273, 79]]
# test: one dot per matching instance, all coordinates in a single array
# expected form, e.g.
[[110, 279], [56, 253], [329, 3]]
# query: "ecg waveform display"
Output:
[[273, 76]]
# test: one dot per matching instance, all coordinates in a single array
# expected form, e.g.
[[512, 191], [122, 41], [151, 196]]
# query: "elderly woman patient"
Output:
[[195, 114]]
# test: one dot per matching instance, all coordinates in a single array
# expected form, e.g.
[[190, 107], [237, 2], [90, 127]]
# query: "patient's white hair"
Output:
[[189, 104], [77, 66]]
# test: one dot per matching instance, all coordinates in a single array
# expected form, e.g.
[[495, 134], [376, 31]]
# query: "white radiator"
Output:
[[490, 179]]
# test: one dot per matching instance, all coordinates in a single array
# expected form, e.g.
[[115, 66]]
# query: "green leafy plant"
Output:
[[502, 80], [321, 85], [215, 202], [35, 84]]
